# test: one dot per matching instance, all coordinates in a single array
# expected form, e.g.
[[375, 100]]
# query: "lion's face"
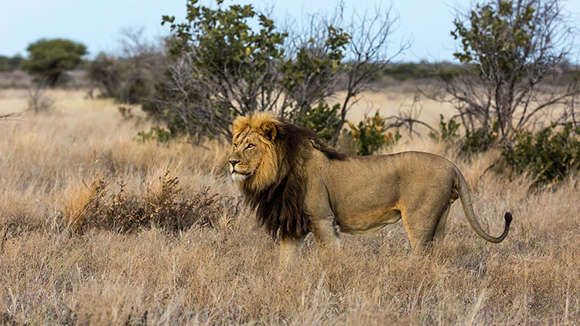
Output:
[[253, 159], [246, 156]]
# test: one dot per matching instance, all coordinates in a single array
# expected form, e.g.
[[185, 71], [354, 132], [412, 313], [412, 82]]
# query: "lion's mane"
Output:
[[277, 190]]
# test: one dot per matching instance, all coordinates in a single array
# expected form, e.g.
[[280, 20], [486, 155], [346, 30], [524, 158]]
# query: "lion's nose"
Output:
[[233, 162]]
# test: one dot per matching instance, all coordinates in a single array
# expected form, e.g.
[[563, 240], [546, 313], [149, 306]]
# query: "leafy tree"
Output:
[[516, 46], [223, 67], [50, 59], [232, 60]]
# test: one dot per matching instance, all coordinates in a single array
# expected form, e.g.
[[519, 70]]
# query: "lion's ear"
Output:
[[269, 130]]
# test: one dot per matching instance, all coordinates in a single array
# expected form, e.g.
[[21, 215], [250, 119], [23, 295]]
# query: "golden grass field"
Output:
[[227, 272]]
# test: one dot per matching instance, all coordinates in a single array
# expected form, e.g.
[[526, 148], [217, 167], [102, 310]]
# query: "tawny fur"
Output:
[[298, 185]]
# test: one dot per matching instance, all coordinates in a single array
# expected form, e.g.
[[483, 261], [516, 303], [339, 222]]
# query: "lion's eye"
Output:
[[250, 146]]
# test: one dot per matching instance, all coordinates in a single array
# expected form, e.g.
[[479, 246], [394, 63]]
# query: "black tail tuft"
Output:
[[508, 217]]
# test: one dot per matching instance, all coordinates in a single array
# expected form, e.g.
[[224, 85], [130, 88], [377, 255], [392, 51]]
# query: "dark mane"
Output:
[[296, 137], [280, 207]]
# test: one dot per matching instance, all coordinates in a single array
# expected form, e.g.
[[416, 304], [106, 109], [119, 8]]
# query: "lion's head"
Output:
[[254, 159], [267, 160]]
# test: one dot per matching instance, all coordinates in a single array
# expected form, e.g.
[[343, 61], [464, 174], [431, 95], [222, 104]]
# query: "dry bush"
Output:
[[96, 206], [38, 100]]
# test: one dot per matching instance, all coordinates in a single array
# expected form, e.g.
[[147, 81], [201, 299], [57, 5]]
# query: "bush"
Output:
[[156, 133], [49, 59], [476, 141], [130, 80], [323, 119], [447, 131], [479, 140], [549, 156], [370, 135], [9, 63], [105, 73], [163, 207], [136, 77], [38, 100]]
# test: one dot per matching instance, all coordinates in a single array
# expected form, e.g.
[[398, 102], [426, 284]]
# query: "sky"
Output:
[[98, 24]]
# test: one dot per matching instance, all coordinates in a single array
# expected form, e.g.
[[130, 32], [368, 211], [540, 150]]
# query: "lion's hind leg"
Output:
[[441, 224], [423, 223]]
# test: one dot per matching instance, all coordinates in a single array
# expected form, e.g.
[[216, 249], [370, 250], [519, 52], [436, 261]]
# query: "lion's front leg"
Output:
[[289, 250], [325, 232]]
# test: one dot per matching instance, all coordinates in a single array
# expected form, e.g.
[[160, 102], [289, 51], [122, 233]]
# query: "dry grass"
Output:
[[227, 273]]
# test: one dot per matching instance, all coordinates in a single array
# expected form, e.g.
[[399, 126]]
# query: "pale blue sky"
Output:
[[98, 24]]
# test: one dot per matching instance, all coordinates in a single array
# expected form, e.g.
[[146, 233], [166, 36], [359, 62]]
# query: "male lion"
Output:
[[298, 185]]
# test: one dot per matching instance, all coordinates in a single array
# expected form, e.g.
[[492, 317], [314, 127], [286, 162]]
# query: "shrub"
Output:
[[548, 156], [163, 207], [137, 76], [156, 133], [476, 141], [447, 131], [9, 63], [323, 119], [370, 135], [105, 73], [38, 100]]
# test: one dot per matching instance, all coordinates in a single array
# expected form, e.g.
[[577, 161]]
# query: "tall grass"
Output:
[[70, 181]]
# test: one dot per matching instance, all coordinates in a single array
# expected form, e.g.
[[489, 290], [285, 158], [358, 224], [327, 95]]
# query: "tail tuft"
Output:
[[508, 218]]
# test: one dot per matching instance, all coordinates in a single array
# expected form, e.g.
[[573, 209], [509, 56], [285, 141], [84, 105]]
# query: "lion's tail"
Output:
[[465, 195]]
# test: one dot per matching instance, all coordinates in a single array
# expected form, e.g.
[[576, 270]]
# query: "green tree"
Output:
[[232, 60], [225, 65], [50, 59], [515, 46]]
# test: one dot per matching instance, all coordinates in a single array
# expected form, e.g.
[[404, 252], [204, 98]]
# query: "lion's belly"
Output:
[[368, 221]]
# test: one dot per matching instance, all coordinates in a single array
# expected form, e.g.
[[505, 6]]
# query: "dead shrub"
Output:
[[38, 99], [97, 207]]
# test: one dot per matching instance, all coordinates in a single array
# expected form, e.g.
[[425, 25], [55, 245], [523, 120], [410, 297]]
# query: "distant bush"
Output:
[[48, 60], [10, 63], [127, 80], [156, 133], [370, 135], [105, 73], [424, 70], [164, 207], [548, 156], [135, 77]]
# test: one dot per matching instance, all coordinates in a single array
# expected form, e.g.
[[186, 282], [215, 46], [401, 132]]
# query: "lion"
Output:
[[298, 185]]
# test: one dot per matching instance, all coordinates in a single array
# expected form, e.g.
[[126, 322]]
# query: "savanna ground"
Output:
[[63, 263]]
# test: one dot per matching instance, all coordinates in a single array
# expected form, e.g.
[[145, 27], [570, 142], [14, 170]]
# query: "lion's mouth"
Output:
[[239, 176]]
